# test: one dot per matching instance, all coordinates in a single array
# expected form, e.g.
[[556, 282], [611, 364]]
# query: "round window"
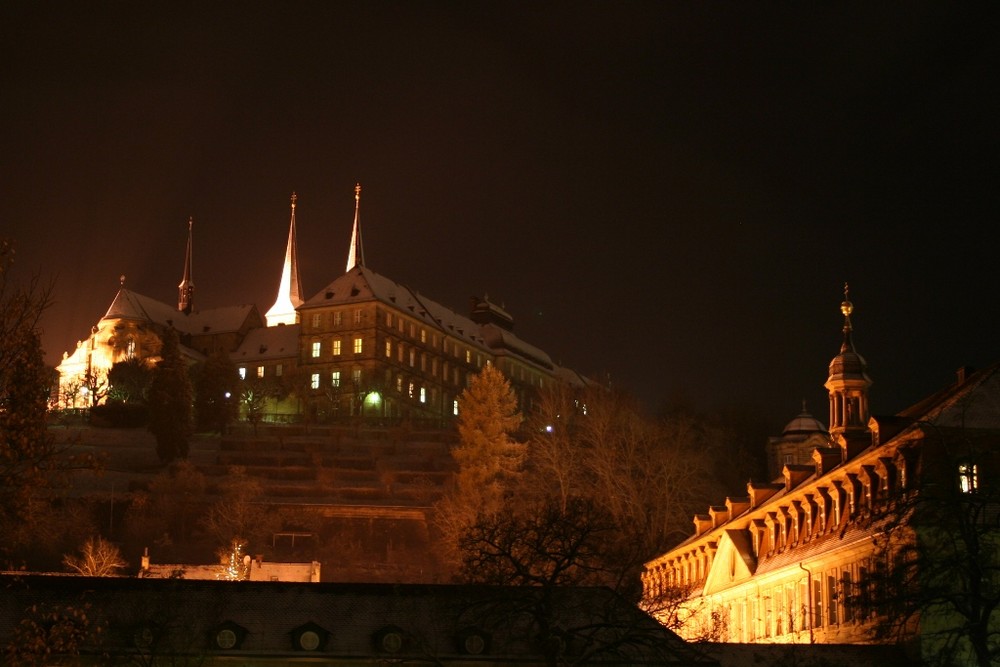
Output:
[[392, 642], [474, 644], [309, 640], [225, 638]]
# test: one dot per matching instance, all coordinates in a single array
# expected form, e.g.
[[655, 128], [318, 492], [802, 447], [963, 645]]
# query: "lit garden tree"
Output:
[[489, 460], [170, 402], [97, 558]]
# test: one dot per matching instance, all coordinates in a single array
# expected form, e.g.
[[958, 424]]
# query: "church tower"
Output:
[[848, 384], [356, 256], [185, 291], [289, 293]]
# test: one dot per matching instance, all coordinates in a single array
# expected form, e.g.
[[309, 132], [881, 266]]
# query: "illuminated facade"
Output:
[[364, 345], [793, 561]]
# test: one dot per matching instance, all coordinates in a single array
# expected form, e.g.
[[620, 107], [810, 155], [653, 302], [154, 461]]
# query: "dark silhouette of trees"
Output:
[[935, 573], [31, 462], [130, 379], [216, 389], [170, 402]]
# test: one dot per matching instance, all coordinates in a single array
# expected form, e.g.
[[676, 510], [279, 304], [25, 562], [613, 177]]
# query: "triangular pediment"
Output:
[[734, 561]]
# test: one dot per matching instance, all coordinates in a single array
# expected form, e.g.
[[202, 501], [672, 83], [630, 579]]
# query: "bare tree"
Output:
[[97, 558], [935, 572]]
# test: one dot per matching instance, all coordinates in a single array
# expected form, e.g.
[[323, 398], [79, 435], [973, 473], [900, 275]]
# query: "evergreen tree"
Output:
[[170, 402], [216, 387]]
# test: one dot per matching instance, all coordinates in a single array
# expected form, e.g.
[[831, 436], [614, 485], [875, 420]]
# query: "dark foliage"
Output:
[[170, 402]]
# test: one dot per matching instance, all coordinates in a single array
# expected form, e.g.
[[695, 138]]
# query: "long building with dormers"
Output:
[[364, 345], [797, 559]]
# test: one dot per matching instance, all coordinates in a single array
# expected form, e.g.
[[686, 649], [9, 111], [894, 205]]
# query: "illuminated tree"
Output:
[[95, 381], [489, 461], [97, 558], [170, 402], [235, 564]]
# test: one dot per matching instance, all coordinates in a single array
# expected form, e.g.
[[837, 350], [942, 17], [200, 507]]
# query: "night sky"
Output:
[[669, 194]]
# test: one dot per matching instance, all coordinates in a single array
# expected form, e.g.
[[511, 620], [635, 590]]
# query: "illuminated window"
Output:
[[468, 356], [315, 348], [399, 383], [357, 346], [357, 317], [356, 376], [423, 394], [335, 378], [130, 348], [968, 477], [243, 373], [338, 318], [314, 381], [336, 348], [454, 407], [277, 370], [388, 348], [260, 371], [423, 335], [410, 392]]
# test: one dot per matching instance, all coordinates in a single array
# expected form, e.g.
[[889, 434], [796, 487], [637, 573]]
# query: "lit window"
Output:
[[243, 373], [399, 383], [454, 407], [130, 348], [410, 392], [260, 371], [388, 348], [968, 477], [356, 376], [423, 394], [335, 378], [423, 335], [315, 348], [357, 317], [336, 348], [357, 346], [338, 318], [278, 370], [314, 381], [468, 356]]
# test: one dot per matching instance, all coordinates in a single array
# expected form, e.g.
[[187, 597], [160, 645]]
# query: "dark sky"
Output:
[[670, 193]]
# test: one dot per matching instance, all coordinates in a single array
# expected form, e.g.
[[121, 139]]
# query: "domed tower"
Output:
[[847, 385], [796, 443]]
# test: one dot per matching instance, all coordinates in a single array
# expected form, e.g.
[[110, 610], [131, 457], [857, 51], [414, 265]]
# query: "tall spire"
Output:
[[289, 294], [356, 257], [185, 291]]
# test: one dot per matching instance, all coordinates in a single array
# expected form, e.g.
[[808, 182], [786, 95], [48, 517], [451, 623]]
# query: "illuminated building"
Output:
[[363, 345], [797, 560]]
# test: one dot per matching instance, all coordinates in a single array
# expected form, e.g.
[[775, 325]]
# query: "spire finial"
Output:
[[294, 197], [356, 256], [121, 280], [289, 292]]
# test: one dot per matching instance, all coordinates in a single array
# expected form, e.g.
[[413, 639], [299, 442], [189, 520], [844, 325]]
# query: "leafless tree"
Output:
[[97, 558]]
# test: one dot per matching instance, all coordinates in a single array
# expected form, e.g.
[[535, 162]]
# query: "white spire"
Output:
[[356, 257], [289, 295], [185, 290]]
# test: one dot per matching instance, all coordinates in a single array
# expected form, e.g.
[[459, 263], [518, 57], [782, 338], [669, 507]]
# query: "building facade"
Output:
[[802, 559], [363, 346]]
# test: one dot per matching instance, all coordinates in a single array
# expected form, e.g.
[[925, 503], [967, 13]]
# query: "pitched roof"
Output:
[[129, 305], [268, 343]]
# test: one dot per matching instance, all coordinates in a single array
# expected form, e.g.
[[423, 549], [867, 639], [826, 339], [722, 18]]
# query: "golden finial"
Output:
[[121, 280], [357, 192], [190, 222], [294, 197], [846, 307]]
